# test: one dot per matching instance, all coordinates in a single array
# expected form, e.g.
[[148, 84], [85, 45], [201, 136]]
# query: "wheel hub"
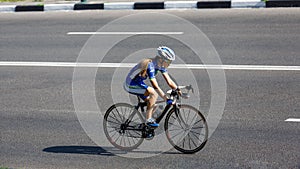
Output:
[[122, 129]]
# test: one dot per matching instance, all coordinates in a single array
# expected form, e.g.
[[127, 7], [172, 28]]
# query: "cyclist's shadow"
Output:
[[90, 150], [93, 150]]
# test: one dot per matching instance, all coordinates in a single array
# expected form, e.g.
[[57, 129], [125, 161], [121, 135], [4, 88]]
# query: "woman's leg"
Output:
[[151, 101]]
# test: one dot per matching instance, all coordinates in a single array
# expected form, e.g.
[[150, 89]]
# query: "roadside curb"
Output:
[[152, 5]]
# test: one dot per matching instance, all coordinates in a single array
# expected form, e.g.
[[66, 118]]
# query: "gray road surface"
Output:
[[39, 128]]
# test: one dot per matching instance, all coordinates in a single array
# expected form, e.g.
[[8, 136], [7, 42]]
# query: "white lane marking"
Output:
[[237, 67], [292, 120], [125, 33], [174, 66]]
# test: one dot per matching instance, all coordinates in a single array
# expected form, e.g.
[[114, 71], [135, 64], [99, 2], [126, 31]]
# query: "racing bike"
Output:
[[185, 127]]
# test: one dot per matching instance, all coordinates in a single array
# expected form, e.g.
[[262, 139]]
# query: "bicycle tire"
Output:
[[197, 128], [114, 117]]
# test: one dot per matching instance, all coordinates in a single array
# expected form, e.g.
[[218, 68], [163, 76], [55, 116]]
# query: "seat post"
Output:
[[141, 104], [139, 99]]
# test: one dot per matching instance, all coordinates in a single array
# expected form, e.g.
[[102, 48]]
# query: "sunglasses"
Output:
[[168, 61]]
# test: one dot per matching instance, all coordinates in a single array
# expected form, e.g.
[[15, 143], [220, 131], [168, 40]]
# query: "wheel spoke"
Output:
[[189, 140], [174, 125], [183, 142], [198, 121], [121, 117], [194, 132], [115, 117], [194, 143], [114, 134], [177, 134], [113, 122], [188, 117], [200, 127]]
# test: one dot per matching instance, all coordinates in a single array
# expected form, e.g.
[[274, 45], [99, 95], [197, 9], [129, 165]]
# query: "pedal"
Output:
[[148, 132], [150, 136]]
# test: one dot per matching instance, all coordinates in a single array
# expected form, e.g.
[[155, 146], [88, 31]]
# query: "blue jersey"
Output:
[[135, 78]]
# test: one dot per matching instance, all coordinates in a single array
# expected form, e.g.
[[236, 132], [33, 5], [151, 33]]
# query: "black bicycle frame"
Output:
[[160, 117], [141, 106]]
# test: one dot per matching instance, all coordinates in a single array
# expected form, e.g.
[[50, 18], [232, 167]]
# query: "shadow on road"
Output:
[[94, 150], [91, 150]]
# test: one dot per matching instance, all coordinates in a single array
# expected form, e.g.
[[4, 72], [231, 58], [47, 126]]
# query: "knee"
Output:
[[152, 93]]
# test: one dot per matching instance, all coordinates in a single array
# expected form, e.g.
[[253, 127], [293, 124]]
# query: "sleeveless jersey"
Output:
[[144, 69]]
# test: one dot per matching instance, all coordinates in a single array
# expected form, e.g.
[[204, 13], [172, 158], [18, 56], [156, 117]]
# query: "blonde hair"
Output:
[[143, 66]]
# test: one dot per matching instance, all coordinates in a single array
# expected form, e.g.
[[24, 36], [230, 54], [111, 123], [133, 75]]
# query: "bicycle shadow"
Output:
[[95, 150], [89, 150]]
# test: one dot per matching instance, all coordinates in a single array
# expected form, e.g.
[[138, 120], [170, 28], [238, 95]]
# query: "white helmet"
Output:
[[166, 53]]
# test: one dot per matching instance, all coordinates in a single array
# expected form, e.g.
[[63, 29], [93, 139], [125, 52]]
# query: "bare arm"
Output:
[[170, 82], [158, 89]]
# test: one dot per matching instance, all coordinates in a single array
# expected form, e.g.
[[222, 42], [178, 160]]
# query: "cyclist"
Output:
[[134, 83]]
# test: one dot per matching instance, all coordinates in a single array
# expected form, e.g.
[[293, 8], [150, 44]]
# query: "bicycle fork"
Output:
[[179, 117]]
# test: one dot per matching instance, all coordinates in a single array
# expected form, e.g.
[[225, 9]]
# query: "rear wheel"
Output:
[[186, 129], [121, 123]]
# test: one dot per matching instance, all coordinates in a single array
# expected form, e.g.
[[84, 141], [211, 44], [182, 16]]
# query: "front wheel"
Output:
[[186, 129]]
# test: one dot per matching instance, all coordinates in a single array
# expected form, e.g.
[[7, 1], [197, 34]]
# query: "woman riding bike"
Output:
[[134, 83]]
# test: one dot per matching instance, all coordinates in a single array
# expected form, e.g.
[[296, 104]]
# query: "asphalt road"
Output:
[[39, 126]]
